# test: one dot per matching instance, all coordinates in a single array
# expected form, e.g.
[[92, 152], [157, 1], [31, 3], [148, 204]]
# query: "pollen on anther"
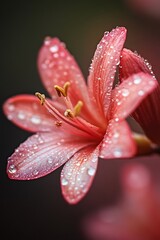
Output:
[[41, 97], [58, 123], [62, 91], [78, 107], [68, 113]]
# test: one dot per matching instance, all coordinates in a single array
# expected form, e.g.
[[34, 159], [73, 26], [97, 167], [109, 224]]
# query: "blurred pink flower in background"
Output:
[[148, 112], [136, 216], [147, 7]]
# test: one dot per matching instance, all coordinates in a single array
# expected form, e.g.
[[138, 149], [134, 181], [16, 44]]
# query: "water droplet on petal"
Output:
[[117, 152], [141, 93], [47, 41], [137, 80], [106, 33], [54, 48], [64, 182], [125, 92], [50, 161], [12, 169], [21, 116], [35, 120], [91, 171], [11, 107], [116, 135], [35, 172]]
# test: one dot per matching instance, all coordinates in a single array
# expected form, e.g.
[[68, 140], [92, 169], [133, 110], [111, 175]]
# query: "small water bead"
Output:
[[47, 41], [141, 93], [10, 116], [117, 62], [125, 92], [137, 80], [55, 55], [62, 54], [117, 152], [106, 33], [21, 115], [91, 171], [11, 107], [35, 172], [94, 159], [50, 160], [99, 46], [35, 120], [54, 48], [116, 119], [116, 135], [12, 169], [64, 182]]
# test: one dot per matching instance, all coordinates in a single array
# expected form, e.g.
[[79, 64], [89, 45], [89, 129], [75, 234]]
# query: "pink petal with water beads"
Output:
[[57, 66], [78, 173], [130, 93], [147, 114], [41, 154], [26, 112], [103, 67], [118, 141], [131, 63]]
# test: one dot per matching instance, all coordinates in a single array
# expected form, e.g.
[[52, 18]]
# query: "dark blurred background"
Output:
[[36, 209]]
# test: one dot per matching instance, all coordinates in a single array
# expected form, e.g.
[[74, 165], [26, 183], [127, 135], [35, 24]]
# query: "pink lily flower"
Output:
[[79, 123], [136, 216], [147, 114]]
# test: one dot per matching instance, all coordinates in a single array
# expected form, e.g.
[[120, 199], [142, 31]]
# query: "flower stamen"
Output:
[[69, 113], [77, 108], [75, 112], [62, 91], [58, 123], [41, 97]]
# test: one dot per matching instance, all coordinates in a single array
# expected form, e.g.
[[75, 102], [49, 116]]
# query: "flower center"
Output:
[[70, 120], [63, 92], [70, 111]]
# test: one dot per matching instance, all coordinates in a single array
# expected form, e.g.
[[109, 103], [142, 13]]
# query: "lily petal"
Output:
[[57, 66], [130, 93], [78, 173], [118, 141], [41, 154], [147, 114], [131, 63], [103, 67], [26, 112]]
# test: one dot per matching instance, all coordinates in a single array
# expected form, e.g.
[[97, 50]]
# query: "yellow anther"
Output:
[[75, 112], [41, 97], [58, 123], [66, 86], [69, 113], [78, 108], [62, 91]]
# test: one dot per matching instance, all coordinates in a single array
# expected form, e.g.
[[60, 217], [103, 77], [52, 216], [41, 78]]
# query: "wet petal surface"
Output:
[[41, 154], [118, 141], [103, 67], [78, 173], [26, 112]]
